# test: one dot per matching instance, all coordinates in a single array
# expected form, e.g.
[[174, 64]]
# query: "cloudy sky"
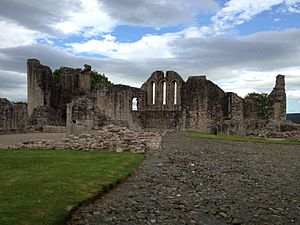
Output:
[[239, 44]]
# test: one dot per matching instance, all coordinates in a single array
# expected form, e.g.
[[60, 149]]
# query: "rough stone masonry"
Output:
[[165, 101]]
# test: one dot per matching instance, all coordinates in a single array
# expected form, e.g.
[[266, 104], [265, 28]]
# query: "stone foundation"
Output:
[[108, 138]]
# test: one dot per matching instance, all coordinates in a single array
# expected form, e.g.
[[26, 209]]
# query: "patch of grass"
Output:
[[194, 134], [39, 187]]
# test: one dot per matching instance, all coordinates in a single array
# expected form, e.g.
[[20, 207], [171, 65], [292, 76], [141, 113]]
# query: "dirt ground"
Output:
[[13, 139]]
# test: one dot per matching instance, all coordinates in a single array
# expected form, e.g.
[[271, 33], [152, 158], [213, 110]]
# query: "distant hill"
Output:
[[294, 117]]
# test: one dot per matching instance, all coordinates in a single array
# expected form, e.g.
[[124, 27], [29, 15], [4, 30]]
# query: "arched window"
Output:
[[175, 93], [134, 104], [153, 93], [164, 93]]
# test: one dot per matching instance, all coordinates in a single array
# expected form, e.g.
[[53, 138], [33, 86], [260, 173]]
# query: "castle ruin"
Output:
[[164, 101]]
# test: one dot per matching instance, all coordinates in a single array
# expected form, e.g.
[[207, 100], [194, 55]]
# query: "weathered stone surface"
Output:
[[13, 117], [43, 92], [277, 101], [39, 84], [165, 101], [198, 181], [83, 116], [45, 116], [110, 138]]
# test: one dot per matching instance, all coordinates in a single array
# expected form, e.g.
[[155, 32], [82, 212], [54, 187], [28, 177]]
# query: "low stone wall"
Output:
[[54, 129], [13, 117], [110, 138], [287, 130]]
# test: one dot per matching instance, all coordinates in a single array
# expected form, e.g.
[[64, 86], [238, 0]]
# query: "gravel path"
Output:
[[7, 140], [198, 181]]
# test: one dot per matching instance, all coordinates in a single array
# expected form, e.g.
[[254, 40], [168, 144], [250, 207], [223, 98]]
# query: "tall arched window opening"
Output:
[[175, 93], [134, 104], [153, 93], [164, 93]]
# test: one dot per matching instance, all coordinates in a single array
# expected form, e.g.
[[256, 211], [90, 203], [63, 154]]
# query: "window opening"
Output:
[[134, 104], [164, 93], [175, 93], [153, 93]]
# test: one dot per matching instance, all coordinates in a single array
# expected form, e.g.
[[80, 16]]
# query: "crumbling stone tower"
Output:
[[277, 101], [48, 99], [39, 81]]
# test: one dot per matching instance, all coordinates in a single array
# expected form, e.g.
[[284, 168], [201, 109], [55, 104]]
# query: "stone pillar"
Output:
[[39, 83], [85, 80], [277, 101]]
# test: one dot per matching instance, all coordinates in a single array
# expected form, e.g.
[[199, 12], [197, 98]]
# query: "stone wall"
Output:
[[277, 101], [116, 102], [163, 91], [54, 97], [160, 119], [165, 101], [39, 84], [107, 138], [204, 103], [234, 114], [45, 115], [83, 116], [13, 117]]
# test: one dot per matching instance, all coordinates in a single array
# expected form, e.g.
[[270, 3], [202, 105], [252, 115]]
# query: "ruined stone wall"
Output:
[[253, 120], [48, 101], [73, 84], [83, 116], [116, 101], [277, 101], [13, 117], [165, 101], [160, 120], [163, 108], [204, 103], [234, 114], [39, 84], [163, 91], [45, 115]]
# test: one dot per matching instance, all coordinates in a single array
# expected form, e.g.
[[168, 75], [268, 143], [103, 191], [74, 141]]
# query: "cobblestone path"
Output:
[[198, 181]]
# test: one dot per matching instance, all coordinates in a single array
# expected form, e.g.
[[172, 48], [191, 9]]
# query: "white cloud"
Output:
[[295, 94], [89, 19], [196, 32], [246, 81], [148, 47], [13, 35], [13, 85], [237, 12]]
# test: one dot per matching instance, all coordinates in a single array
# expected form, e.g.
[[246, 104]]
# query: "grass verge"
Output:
[[194, 134], [39, 187]]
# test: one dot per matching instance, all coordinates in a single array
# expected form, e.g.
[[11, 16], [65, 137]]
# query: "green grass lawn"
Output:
[[39, 187], [194, 134]]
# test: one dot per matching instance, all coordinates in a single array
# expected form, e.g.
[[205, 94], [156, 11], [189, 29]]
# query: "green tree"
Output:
[[98, 78], [56, 75], [261, 99]]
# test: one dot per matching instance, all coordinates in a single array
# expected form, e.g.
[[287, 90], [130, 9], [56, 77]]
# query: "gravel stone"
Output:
[[232, 183]]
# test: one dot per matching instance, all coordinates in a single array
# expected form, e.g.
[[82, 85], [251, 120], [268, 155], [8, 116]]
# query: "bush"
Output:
[[261, 99], [56, 75], [98, 78]]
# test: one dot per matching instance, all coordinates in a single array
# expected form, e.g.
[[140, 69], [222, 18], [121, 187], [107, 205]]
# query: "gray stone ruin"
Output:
[[165, 101]]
